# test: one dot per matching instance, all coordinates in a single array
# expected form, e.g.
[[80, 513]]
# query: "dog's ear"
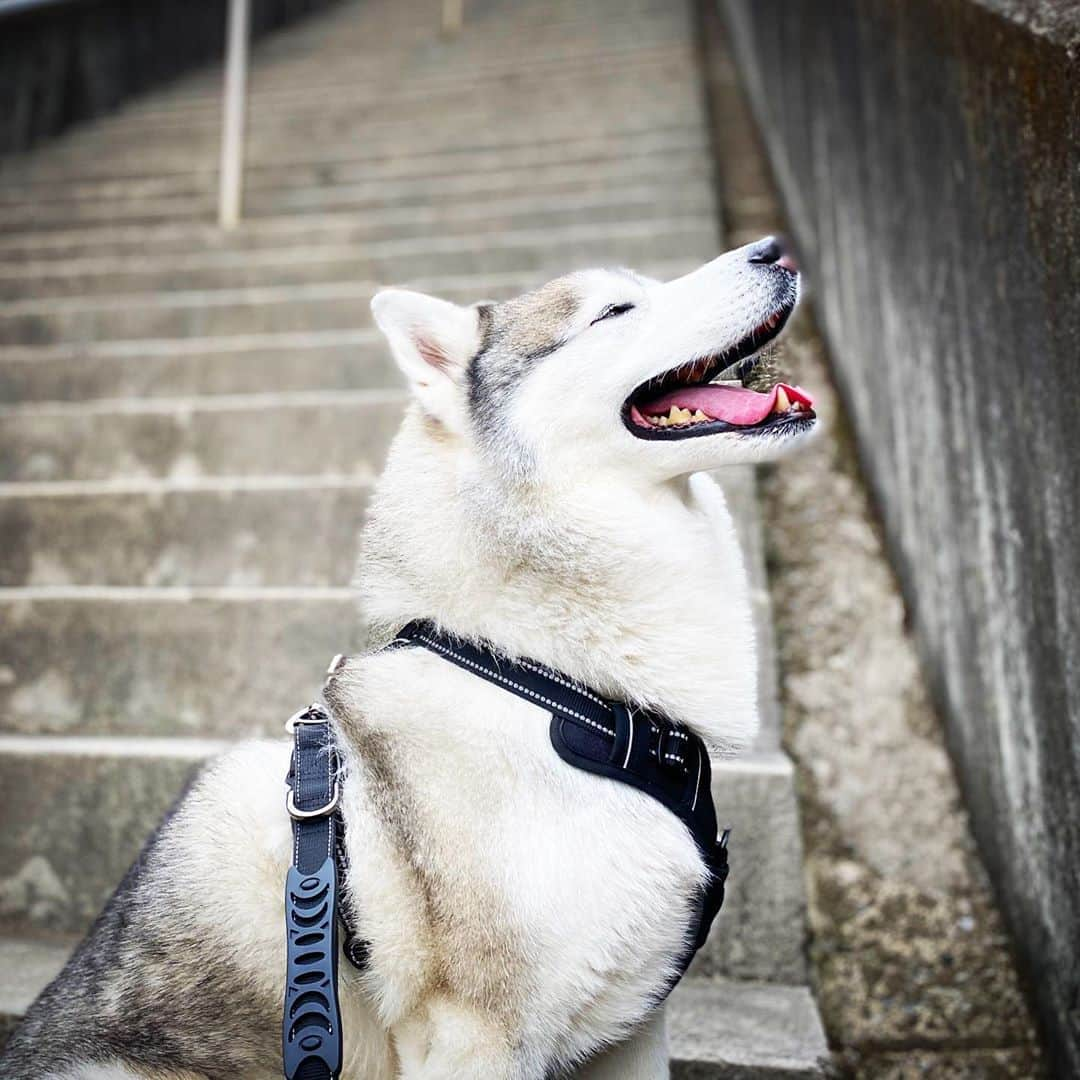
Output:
[[433, 341]]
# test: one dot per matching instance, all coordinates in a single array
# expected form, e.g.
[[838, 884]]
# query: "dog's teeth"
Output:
[[783, 403], [699, 416]]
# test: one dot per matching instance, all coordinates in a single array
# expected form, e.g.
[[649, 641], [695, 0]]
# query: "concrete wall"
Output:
[[929, 156], [67, 62]]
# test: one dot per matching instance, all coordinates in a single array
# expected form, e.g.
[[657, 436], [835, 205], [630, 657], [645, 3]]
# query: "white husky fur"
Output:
[[522, 914]]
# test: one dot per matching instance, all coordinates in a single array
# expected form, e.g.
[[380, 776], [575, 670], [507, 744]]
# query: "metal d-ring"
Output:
[[322, 811], [309, 714]]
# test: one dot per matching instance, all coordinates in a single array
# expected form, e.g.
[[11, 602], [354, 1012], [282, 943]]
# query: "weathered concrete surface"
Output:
[[26, 968], [914, 970], [929, 156], [224, 662], [735, 1030], [548, 252], [104, 799], [760, 933], [188, 534], [169, 367], [305, 434]]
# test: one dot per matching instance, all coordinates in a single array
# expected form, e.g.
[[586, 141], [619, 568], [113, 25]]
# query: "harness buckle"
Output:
[[671, 748]]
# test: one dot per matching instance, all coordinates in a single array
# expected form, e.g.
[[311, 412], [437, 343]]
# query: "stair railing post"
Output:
[[232, 129], [453, 17]]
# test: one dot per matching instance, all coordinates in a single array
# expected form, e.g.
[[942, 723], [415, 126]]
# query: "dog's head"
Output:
[[606, 368]]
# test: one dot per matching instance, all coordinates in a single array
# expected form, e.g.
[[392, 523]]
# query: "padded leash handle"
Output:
[[311, 1022]]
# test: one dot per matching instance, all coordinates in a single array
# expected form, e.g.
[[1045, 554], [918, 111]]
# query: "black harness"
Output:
[[642, 749]]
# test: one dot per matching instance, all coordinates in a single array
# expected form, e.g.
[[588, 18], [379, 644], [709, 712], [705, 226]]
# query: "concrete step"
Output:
[[662, 69], [232, 531], [674, 167], [334, 305], [186, 367], [603, 244], [15, 173], [722, 1029], [329, 135], [729, 1030], [652, 83], [221, 662], [354, 163], [472, 131], [397, 78], [488, 218], [317, 433], [79, 807]]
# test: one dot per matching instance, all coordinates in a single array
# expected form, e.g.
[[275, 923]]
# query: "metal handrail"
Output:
[[230, 194]]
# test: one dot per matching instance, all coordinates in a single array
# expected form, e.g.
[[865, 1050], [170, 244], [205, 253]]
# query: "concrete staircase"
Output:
[[192, 421]]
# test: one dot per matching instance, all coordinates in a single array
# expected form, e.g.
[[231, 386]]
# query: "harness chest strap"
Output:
[[641, 749]]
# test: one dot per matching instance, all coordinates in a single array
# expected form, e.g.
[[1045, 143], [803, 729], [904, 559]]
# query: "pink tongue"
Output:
[[732, 404]]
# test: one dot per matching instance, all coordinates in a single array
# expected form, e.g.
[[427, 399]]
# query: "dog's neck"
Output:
[[638, 592]]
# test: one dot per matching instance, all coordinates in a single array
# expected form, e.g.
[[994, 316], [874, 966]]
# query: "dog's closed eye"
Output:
[[611, 311]]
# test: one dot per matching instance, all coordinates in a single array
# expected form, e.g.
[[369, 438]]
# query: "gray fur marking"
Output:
[[515, 335]]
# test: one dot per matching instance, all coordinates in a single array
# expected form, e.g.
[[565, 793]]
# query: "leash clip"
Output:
[[309, 714], [312, 714]]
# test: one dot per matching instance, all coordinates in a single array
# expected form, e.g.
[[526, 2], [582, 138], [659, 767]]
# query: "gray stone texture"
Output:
[[312, 434], [60, 867], [172, 661], [727, 1031], [929, 157], [761, 931], [913, 967]]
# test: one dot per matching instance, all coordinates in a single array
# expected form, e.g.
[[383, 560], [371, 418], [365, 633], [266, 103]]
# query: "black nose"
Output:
[[769, 251], [772, 251]]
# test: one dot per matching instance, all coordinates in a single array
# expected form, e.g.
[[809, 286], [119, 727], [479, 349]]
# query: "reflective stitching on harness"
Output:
[[555, 677], [330, 790], [296, 787], [697, 782], [431, 644]]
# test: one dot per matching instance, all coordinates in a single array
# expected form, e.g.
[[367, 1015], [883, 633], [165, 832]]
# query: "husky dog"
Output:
[[546, 495]]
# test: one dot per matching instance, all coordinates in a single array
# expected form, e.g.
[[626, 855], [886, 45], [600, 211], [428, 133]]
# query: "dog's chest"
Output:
[[563, 896]]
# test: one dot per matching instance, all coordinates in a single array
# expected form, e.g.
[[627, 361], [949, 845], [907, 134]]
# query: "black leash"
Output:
[[311, 1027], [638, 748]]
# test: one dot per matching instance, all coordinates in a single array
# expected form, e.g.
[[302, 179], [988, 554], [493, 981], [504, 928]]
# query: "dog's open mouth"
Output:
[[707, 396]]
